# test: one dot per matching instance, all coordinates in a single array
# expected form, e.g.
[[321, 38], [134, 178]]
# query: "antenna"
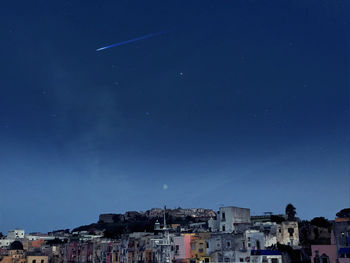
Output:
[[164, 220]]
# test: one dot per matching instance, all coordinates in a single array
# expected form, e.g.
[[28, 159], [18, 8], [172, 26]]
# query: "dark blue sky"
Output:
[[242, 103]]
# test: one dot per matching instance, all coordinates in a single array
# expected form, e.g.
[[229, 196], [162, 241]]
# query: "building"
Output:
[[227, 247], [37, 259], [230, 219], [288, 233], [254, 240], [15, 255], [266, 256], [15, 234], [342, 239], [199, 246], [108, 218], [182, 247], [5, 242], [324, 253]]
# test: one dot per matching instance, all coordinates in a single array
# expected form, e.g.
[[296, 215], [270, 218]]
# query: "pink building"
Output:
[[182, 247], [109, 253], [76, 252], [324, 253]]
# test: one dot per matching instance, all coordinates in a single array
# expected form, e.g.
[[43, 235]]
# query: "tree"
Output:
[[290, 212], [277, 219], [321, 222], [344, 213], [56, 241]]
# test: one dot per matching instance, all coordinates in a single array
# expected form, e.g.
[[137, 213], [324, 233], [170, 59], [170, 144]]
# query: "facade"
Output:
[[199, 248], [254, 240], [37, 259], [226, 247], [5, 242], [17, 255], [107, 218], [266, 256], [342, 239], [213, 225], [288, 233], [15, 234], [230, 219], [324, 253], [182, 247]]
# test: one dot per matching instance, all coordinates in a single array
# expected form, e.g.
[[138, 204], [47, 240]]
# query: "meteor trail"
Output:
[[131, 40]]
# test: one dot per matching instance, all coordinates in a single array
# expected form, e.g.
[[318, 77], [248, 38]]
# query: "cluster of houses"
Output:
[[232, 235]]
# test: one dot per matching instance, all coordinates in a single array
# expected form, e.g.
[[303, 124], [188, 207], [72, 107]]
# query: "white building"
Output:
[[269, 228], [5, 242], [33, 237], [254, 239], [229, 219], [266, 259], [15, 234]]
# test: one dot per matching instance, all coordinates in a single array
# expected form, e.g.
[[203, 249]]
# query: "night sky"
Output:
[[242, 102]]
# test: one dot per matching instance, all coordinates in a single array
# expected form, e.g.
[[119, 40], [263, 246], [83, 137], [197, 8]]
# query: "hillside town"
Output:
[[196, 235]]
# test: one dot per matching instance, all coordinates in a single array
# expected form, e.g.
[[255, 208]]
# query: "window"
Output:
[[257, 244], [248, 238], [207, 244], [223, 216], [223, 228], [241, 259], [291, 231], [248, 244], [274, 260], [42, 261], [228, 244], [34, 261], [324, 258]]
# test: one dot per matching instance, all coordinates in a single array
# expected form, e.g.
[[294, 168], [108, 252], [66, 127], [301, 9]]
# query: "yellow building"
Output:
[[17, 255], [199, 245], [37, 259]]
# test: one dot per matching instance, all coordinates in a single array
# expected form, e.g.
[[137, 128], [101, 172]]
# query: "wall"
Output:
[[233, 215], [14, 234], [329, 250], [283, 235], [254, 240], [37, 259], [5, 242]]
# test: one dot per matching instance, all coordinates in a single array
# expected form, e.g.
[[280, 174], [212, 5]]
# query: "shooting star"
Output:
[[131, 40]]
